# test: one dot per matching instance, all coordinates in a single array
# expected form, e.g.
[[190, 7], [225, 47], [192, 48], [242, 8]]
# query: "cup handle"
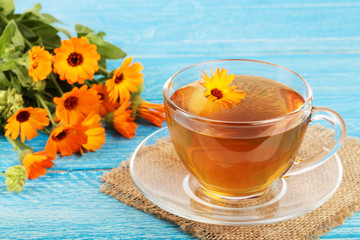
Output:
[[329, 115]]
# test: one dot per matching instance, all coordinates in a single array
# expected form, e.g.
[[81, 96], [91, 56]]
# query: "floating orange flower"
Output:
[[26, 122], [218, 93], [76, 60], [74, 106], [106, 105], [125, 80], [122, 121], [154, 113], [66, 139], [36, 164], [40, 63], [95, 132]]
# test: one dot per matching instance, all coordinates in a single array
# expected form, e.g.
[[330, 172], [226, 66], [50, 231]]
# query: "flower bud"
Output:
[[15, 178], [39, 86], [9, 50], [109, 120], [10, 102], [23, 154], [135, 104]]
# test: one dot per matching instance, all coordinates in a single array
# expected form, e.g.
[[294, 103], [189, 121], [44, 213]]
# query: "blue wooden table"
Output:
[[319, 40]]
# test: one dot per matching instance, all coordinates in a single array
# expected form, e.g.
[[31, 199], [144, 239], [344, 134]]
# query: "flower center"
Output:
[[75, 59], [34, 65], [60, 136], [119, 78], [101, 96], [216, 93], [71, 102], [23, 116]]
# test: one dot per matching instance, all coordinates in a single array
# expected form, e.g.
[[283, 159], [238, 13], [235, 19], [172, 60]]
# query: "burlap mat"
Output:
[[118, 184]]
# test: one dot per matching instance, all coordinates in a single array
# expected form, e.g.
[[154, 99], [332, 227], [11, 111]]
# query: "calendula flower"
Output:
[[106, 105], [74, 106], [95, 132], [26, 122], [122, 121], [218, 93], [125, 80], [15, 178], [152, 112], [66, 139], [36, 164], [40, 63], [76, 60]]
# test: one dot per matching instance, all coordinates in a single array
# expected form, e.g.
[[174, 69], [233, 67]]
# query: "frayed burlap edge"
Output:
[[118, 184]]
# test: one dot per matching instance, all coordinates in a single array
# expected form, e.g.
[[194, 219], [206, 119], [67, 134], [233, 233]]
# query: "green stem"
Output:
[[56, 84], [45, 130], [4, 19], [17, 148], [104, 70], [28, 43], [43, 103]]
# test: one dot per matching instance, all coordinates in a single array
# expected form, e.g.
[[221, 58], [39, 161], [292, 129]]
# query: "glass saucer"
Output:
[[160, 176]]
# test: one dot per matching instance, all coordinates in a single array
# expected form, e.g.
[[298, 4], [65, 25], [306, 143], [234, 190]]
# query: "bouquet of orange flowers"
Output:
[[64, 89]]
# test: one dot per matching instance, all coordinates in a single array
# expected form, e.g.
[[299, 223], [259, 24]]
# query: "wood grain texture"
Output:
[[320, 41], [69, 205]]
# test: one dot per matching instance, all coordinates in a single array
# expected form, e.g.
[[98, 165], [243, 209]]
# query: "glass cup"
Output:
[[235, 160]]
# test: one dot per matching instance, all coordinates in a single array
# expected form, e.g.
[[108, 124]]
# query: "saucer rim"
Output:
[[205, 219]]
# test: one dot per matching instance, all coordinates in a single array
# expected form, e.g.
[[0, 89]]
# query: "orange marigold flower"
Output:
[[106, 105], [26, 122], [152, 112], [125, 79], [36, 164], [40, 63], [74, 106], [76, 60], [218, 93], [66, 139], [95, 132], [122, 121]]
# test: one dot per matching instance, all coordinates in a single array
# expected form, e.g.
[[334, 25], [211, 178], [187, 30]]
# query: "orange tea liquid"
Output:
[[238, 160]]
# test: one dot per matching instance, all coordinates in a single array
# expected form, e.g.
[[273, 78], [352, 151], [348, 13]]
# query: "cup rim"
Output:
[[303, 107]]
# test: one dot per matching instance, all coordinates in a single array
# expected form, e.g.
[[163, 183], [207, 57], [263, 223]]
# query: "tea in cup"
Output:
[[239, 128]]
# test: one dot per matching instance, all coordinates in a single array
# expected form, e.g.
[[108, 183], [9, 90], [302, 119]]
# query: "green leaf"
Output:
[[47, 33], [36, 8], [18, 40], [105, 49], [22, 75], [15, 83], [50, 18], [7, 7], [23, 60], [26, 32], [64, 31], [4, 82], [102, 63], [82, 30], [101, 34], [34, 14], [6, 65], [7, 35]]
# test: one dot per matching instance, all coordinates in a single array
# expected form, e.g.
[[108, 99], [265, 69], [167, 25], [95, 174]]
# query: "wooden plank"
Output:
[[69, 205], [213, 28]]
